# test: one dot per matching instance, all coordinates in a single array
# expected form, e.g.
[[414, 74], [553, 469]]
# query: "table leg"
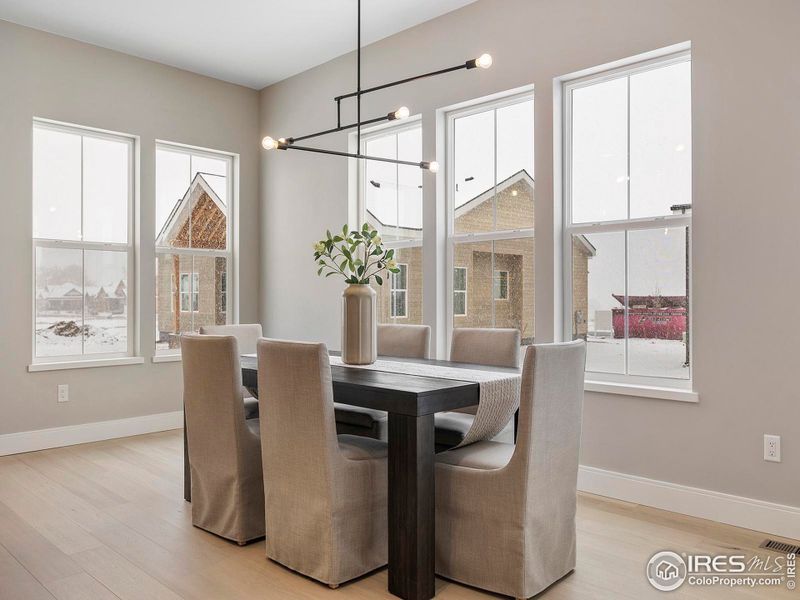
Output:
[[411, 507], [187, 472]]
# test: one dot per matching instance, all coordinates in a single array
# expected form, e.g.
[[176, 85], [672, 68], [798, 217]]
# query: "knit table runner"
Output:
[[499, 392]]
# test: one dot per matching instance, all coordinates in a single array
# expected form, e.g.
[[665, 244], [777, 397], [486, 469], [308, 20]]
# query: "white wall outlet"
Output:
[[772, 448], [63, 393]]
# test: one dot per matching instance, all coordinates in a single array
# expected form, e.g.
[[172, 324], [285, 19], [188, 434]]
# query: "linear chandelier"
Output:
[[290, 143]]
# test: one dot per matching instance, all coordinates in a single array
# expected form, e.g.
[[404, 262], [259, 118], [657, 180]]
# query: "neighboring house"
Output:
[[653, 317], [191, 289], [110, 298], [476, 288]]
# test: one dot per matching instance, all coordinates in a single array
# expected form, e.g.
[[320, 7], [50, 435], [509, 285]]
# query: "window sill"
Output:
[[642, 391], [85, 364], [166, 358]]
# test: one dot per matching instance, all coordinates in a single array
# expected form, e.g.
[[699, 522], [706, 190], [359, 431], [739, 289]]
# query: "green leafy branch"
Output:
[[356, 255]]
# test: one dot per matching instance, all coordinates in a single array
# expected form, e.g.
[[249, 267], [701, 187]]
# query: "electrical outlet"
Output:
[[63, 393], [772, 448]]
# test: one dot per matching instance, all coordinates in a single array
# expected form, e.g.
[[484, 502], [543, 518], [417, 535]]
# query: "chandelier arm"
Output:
[[292, 140], [421, 165]]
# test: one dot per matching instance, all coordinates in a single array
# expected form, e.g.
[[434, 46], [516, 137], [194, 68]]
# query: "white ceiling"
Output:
[[250, 42]]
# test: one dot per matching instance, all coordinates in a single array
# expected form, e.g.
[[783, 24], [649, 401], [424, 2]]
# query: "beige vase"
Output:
[[359, 325]]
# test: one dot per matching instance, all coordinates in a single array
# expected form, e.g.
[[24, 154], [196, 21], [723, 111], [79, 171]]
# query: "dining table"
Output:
[[411, 401]]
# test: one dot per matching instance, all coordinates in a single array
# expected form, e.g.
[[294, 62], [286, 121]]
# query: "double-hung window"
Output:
[[627, 219], [390, 199], [399, 290], [490, 204], [194, 250], [83, 198]]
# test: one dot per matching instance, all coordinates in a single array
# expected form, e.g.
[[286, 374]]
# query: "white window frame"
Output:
[[616, 382], [464, 291], [230, 254], [454, 238], [40, 363], [395, 290], [497, 280]]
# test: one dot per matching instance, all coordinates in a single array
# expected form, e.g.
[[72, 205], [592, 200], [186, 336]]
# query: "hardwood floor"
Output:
[[107, 521]]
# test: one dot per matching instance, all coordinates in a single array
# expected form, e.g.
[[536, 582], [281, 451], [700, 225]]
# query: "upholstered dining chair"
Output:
[[227, 487], [326, 495], [490, 347], [400, 341], [505, 514], [247, 335]]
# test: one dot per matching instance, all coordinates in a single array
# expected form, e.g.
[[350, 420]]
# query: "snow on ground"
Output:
[[653, 357], [103, 334]]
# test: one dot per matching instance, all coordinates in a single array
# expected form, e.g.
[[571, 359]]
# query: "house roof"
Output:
[[520, 176], [653, 301], [473, 203], [180, 213]]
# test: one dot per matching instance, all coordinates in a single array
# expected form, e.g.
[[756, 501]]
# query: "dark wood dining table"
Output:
[[411, 402]]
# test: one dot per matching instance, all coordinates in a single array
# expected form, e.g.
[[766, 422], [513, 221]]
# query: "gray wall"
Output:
[[746, 153], [52, 77]]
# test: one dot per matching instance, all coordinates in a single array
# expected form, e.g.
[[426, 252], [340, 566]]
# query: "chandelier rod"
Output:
[[292, 140], [394, 161], [470, 64]]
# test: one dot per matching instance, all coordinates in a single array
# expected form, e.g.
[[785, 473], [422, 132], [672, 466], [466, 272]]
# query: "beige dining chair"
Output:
[[227, 489], [326, 495], [490, 347], [505, 514], [247, 334], [400, 341]]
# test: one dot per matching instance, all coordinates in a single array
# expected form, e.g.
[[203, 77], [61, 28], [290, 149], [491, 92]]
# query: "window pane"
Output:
[[409, 279], [600, 152], [106, 302], [106, 190], [474, 172], [460, 279], [191, 200], [515, 166], [657, 299], [515, 259], [172, 181], [59, 302], [598, 296], [409, 184], [215, 172], [661, 140], [56, 184], [380, 186]]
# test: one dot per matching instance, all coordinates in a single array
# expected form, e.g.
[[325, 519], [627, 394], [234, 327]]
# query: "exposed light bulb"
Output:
[[402, 113], [433, 166], [484, 61], [268, 143], [514, 193]]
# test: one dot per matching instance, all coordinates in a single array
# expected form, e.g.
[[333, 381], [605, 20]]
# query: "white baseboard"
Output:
[[56, 437], [759, 515]]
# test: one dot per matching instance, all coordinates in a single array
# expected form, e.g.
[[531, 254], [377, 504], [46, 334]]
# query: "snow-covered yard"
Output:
[[102, 334], [653, 357]]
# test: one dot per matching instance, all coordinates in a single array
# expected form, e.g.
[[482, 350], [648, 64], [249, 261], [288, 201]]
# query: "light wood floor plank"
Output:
[[80, 587]]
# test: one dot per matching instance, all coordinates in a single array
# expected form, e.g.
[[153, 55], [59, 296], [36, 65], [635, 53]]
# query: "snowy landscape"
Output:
[[653, 357], [60, 335]]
